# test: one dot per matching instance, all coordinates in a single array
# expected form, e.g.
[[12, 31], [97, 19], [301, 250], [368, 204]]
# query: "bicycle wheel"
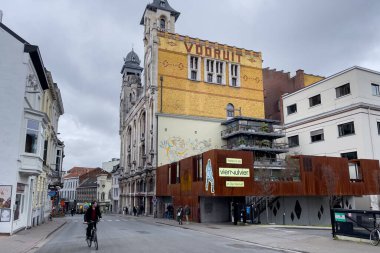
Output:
[[88, 240], [96, 241], [374, 237]]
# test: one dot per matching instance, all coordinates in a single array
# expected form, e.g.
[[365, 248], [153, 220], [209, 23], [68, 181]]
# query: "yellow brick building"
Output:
[[209, 93]]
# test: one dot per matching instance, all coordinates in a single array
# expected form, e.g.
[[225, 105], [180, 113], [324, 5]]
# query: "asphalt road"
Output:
[[117, 235]]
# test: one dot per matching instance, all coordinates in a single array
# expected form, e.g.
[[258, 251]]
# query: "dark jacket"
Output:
[[87, 216]]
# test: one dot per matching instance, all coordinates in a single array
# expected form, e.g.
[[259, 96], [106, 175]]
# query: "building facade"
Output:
[[25, 176], [217, 185], [174, 109], [116, 175], [70, 183], [278, 83], [338, 116], [103, 191]]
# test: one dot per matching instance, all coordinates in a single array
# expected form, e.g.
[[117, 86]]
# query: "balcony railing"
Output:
[[256, 145], [258, 130], [260, 163]]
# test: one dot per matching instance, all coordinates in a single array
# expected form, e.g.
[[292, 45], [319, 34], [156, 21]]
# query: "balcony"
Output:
[[269, 164], [257, 145], [264, 130]]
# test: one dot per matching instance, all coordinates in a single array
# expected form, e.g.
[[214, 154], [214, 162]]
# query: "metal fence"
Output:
[[354, 223]]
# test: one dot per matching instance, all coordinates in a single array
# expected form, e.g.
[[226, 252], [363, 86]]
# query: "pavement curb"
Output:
[[44, 238]]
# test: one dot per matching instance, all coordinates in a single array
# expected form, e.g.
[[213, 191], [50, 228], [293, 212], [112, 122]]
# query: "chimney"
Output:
[[1, 16]]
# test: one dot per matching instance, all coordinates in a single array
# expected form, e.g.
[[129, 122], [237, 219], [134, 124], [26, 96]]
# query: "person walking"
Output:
[[134, 211], [179, 215], [187, 213]]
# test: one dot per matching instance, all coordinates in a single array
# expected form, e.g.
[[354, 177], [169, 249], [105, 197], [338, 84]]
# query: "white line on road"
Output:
[[283, 230], [109, 220], [117, 220]]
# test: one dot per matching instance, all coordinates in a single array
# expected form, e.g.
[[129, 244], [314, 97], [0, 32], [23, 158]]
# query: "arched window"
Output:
[[103, 196], [162, 24], [230, 111]]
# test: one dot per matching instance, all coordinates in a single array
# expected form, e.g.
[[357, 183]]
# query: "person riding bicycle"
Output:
[[92, 216]]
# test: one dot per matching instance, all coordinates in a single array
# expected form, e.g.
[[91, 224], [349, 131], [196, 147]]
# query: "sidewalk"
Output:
[[286, 238], [25, 240]]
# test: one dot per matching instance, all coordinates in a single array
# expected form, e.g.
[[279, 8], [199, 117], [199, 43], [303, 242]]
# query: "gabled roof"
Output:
[[35, 55], [160, 5], [77, 172]]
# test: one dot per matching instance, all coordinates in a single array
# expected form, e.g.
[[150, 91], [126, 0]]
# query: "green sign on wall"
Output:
[[340, 217]]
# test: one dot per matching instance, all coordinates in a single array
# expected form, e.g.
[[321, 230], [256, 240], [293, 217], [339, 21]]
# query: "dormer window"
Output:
[[162, 3], [162, 24]]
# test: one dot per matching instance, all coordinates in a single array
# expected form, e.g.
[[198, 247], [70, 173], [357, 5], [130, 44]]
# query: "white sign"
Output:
[[234, 183], [234, 160], [233, 172]]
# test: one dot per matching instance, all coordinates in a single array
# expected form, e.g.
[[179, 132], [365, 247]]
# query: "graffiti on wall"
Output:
[[177, 148]]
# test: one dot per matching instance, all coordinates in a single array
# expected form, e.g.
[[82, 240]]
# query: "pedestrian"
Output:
[[179, 215], [187, 213], [72, 211], [134, 211], [141, 209]]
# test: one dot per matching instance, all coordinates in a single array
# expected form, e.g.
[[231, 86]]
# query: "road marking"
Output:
[[109, 220], [124, 220], [117, 220], [283, 230]]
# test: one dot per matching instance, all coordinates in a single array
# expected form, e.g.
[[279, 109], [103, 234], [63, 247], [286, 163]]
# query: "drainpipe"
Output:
[[161, 79], [370, 132]]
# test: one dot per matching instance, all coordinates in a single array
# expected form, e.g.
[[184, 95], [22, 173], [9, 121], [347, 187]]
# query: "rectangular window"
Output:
[[293, 141], [32, 131], [45, 151], [234, 75], [378, 128], [317, 135], [316, 100], [219, 71], [375, 89], [209, 78], [194, 68], [350, 155], [346, 129], [292, 109], [355, 172], [343, 90]]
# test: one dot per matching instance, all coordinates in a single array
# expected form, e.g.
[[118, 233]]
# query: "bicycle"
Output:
[[93, 237], [374, 236]]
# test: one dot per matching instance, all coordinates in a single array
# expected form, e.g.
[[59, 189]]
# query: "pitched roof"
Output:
[[161, 5], [35, 56], [78, 171]]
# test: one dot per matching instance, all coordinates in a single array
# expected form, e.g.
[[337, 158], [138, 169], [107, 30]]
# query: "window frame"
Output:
[[289, 107], [340, 91], [318, 132], [340, 130], [311, 104], [377, 89], [234, 75], [290, 143], [343, 155], [194, 63]]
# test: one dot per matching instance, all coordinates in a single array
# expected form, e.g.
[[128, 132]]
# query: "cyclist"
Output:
[[92, 216]]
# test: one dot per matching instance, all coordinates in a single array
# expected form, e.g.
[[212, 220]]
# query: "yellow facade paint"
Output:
[[310, 79], [183, 96]]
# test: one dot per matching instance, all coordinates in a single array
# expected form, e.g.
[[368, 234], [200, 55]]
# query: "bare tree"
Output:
[[292, 168], [264, 179]]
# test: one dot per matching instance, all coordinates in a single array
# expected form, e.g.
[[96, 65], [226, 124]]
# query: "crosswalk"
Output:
[[104, 220]]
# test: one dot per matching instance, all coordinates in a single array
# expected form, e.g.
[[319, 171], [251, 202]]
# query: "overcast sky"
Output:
[[83, 43]]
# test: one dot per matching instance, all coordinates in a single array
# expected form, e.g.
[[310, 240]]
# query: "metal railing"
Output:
[[269, 130], [259, 145]]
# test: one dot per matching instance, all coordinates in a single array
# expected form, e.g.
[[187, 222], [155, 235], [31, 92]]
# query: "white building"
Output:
[[23, 181], [116, 175], [70, 183], [337, 116], [108, 166], [104, 186]]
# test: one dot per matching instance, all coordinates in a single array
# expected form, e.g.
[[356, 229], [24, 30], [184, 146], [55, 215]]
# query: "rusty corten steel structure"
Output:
[[318, 176]]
